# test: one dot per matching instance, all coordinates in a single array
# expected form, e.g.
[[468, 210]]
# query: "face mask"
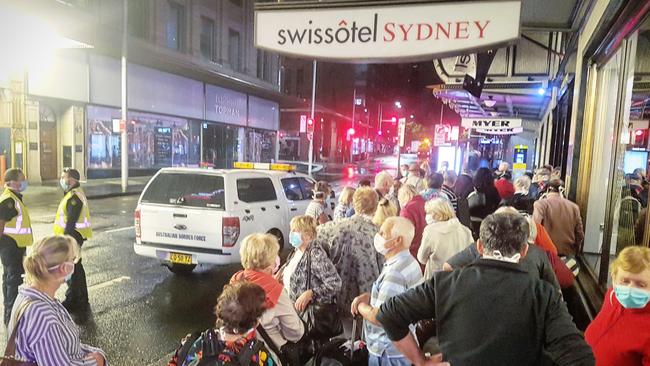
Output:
[[496, 255], [65, 265], [63, 184], [23, 186], [632, 297], [380, 244], [405, 173], [295, 239]]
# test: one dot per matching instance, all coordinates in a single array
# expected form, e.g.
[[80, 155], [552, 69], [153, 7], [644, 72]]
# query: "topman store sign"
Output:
[[387, 32]]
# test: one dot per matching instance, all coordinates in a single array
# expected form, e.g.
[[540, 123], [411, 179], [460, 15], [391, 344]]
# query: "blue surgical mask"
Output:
[[63, 184], [632, 297], [295, 239], [23, 186]]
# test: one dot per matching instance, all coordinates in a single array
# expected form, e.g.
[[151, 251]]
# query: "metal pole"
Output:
[[354, 107], [380, 133], [313, 107], [124, 143]]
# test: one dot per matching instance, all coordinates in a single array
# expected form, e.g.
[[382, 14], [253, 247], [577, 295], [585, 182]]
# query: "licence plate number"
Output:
[[180, 258]]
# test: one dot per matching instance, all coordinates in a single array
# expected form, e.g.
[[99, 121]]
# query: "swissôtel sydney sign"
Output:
[[385, 33]]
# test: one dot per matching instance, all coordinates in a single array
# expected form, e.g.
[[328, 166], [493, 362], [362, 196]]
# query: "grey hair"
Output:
[[506, 232]]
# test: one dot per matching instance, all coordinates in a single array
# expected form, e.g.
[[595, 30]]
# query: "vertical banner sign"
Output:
[[385, 33], [303, 123], [401, 131]]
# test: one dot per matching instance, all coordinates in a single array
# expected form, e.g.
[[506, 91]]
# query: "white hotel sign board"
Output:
[[387, 32]]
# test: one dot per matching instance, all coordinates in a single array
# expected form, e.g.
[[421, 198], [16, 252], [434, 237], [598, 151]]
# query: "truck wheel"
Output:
[[180, 269]]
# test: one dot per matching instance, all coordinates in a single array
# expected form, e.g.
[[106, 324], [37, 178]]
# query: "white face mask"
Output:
[[380, 244], [496, 255]]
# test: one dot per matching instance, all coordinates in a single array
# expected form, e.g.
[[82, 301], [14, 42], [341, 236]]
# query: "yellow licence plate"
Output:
[[180, 258]]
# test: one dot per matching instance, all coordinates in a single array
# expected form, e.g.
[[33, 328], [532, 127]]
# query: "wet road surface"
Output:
[[139, 310]]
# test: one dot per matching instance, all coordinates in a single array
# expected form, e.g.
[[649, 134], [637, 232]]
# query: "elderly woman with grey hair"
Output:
[[521, 200]]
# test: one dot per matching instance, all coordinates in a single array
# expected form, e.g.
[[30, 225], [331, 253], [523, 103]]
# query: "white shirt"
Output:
[[441, 241], [290, 269]]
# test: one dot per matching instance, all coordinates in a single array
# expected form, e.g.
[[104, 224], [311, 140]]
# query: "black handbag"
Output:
[[323, 319]]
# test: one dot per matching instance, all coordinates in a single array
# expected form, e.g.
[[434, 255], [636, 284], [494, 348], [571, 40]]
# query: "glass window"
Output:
[[256, 190], [234, 50], [221, 145], [138, 19], [619, 108], [155, 141], [191, 190], [175, 26], [207, 38], [307, 187], [292, 189]]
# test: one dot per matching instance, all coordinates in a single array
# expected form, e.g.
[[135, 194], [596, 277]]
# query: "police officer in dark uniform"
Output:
[[15, 236], [73, 218]]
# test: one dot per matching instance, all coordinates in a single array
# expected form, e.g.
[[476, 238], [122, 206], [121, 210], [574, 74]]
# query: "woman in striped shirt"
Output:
[[46, 333]]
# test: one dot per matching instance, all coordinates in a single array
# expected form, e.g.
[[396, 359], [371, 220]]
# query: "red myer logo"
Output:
[[388, 32]]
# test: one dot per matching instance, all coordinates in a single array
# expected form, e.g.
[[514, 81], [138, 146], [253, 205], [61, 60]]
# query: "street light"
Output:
[[398, 104]]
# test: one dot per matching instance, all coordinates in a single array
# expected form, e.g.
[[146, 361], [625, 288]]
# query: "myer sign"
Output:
[[494, 126], [384, 33]]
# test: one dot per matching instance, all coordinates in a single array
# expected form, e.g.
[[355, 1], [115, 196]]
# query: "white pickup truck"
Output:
[[188, 216]]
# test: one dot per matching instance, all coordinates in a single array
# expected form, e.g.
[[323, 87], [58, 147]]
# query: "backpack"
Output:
[[212, 348]]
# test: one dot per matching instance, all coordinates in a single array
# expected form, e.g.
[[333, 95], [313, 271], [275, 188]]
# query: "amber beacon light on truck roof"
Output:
[[264, 166]]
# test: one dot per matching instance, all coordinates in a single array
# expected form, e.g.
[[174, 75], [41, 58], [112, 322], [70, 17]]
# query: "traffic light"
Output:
[[310, 125]]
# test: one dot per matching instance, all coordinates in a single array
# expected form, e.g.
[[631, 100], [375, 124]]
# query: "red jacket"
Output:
[[619, 336], [505, 188], [414, 211]]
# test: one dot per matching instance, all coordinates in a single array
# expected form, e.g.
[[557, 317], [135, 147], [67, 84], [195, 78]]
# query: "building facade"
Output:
[[199, 92]]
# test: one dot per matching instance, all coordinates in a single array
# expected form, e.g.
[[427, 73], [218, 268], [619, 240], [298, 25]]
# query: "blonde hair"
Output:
[[383, 180], [403, 227], [385, 209], [365, 201], [304, 224], [48, 252], [346, 195], [522, 184], [633, 259], [440, 209], [406, 193], [258, 251]]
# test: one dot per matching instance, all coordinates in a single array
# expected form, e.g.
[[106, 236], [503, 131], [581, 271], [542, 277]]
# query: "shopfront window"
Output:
[[620, 107], [154, 142], [222, 145], [261, 145]]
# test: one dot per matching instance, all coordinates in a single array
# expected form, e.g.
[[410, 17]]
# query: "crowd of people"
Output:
[[483, 258]]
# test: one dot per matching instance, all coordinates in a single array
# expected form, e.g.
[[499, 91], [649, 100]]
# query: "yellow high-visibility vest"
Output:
[[20, 227], [83, 223]]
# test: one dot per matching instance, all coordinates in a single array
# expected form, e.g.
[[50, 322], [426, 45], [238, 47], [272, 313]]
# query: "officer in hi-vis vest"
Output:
[[16, 231], [73, 218]]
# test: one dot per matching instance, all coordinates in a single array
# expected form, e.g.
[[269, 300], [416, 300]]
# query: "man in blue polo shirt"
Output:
[[400, 272]]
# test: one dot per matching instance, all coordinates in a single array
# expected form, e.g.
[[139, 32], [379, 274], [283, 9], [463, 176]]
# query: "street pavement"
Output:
[[139, 309]]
